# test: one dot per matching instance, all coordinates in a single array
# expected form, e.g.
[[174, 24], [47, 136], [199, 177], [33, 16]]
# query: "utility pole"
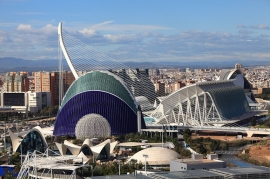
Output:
[[5, 146], [145, 156]]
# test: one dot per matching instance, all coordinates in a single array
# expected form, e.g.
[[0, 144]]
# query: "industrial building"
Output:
[[197, 162]]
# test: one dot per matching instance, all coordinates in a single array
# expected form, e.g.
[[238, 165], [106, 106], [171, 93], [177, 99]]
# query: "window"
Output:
[[32, 141]]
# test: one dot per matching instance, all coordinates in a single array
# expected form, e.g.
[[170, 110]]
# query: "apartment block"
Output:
[[16, 82]]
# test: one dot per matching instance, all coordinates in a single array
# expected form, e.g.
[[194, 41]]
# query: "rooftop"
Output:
[[194, 161]]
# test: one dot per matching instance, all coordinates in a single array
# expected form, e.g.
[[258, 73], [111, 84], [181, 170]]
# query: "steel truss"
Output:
[[42, 165], [189, 106]]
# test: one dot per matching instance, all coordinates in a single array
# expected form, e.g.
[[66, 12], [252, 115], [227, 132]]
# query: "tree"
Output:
[[15, 159], [185, 153], [187, 131], [253, 121], [9, 175], [201, 149]]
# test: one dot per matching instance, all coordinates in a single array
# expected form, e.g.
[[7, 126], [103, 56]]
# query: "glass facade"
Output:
[[32, 141], [86, 151], [102, 155], [230, 101]]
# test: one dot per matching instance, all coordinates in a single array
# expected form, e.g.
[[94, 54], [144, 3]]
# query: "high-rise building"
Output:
[[9, 84], [68, 79], [49, 82], [16, 82], [160, 88], [177, 85], [21, 82], [42, 81]]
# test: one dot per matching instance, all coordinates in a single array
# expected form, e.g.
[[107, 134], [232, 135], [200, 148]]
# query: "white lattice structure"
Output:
[[42, 165], [92, 126], [202, 104]]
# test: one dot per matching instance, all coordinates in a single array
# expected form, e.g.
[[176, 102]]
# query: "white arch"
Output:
[[15, 140], [76, 150], [62, 45], [184, 106]]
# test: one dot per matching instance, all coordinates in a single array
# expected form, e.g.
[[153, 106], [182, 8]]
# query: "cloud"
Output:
[[88, 32], [245, 32], [123, 38], [241, 26], [197, 45], [25, 27], [49, 29], [4, 37], [96, 26], [260, 26], [31, 42], [110, 26]]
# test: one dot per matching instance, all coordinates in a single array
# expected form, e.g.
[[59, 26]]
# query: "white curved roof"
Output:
[[74, 149], [83, 158], [17, 140], [88, 142], [156, 156], [61, 147], [97, 148], [112, 146]]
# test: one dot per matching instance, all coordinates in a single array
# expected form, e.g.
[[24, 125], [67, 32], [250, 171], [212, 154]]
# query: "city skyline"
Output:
[[136, 31]]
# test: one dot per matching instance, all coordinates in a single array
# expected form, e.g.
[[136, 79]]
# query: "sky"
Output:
[[140, 31]]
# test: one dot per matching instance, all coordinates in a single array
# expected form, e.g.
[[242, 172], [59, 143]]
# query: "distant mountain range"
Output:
[[18, 64]]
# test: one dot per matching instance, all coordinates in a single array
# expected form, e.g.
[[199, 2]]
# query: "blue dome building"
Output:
[[103, 93]]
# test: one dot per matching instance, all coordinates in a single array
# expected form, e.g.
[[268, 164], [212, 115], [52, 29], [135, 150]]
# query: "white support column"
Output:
[[204, 107], [139, 119], [65, 51]]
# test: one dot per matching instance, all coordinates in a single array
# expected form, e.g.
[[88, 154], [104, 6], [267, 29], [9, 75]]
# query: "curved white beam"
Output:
[[74, 149], [62, 45], [16, 141]]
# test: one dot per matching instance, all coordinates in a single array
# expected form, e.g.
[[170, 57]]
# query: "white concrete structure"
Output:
[[156, 156], [105, 148], [44, 166], [30, 140], [195, 164], [203, 104]]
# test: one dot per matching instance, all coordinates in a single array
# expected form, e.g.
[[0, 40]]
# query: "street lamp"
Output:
[[119, 164], [21, 149], [162, 135], [145, 156]]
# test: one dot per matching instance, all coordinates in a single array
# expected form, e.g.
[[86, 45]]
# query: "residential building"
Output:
[[16, 82]]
